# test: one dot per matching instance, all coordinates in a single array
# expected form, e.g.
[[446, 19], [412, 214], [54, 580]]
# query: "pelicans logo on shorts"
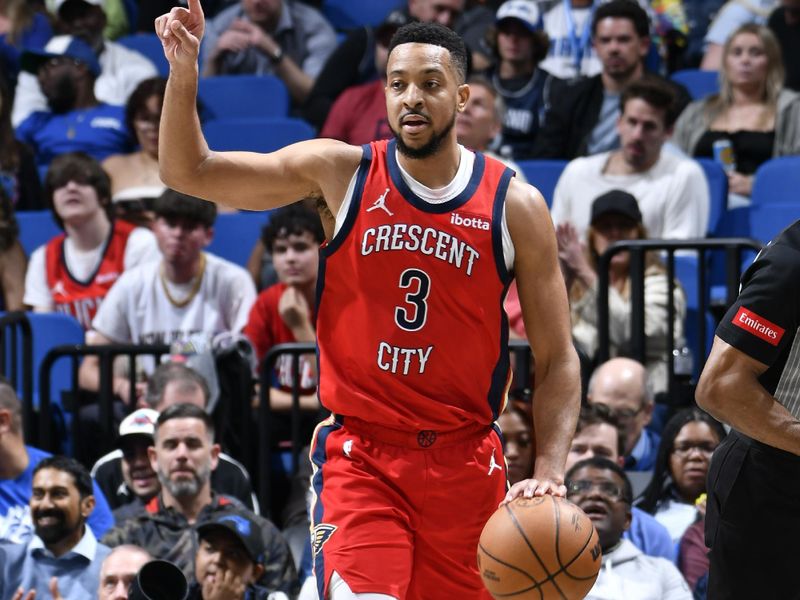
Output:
[[322, 533]]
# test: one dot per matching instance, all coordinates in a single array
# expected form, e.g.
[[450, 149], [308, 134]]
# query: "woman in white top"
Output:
[[135, 182], [615, 216]]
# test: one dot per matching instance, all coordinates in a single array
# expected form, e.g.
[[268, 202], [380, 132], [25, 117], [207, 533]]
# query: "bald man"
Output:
[[118, 571], [621, 385]]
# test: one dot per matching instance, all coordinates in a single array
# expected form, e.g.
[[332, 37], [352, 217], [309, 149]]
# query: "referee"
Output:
[[752, 382]]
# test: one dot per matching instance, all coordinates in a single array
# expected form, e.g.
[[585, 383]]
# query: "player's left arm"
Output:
[[545, 310]]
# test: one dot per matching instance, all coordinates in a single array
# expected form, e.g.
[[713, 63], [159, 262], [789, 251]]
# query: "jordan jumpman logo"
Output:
[[493, 465], [381, 203]]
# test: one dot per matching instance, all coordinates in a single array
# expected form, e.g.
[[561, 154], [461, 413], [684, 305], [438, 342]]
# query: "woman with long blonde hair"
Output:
[[753, 111], [615, 217]]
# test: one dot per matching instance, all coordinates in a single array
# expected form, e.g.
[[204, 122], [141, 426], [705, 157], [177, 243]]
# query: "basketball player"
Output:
[[423, 239], [750, 382]]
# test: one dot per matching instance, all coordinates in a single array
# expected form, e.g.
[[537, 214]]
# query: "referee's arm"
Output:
[[729, 390]]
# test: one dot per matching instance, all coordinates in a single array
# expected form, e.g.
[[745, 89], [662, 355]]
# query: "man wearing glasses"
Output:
[[602, 490], [621, 385]]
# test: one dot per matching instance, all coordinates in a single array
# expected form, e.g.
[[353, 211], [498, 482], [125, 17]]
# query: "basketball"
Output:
[[539, 548]]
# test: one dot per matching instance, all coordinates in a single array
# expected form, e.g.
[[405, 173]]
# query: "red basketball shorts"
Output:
[[400, 513]]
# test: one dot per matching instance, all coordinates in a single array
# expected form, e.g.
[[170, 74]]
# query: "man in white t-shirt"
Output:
[[184, 294], [73, 272], [671, 190]]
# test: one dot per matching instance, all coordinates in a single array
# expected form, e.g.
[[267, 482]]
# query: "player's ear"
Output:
[[463, 97]]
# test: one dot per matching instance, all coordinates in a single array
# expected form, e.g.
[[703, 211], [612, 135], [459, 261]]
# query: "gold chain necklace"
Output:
[[195, 287]]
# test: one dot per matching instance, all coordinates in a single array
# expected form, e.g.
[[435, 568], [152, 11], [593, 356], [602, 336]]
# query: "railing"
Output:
[[733, 249], [106, 355], [19, 369]]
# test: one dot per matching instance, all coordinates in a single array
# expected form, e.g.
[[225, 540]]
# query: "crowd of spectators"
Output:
[[586, 82]]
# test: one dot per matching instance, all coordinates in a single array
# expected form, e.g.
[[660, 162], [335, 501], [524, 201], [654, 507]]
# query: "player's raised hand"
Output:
[[180, 32]]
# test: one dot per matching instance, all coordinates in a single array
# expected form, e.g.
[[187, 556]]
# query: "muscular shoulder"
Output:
[[525, 203]]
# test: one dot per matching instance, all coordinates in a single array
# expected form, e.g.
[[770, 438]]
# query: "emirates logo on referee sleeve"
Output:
[[759, 326]]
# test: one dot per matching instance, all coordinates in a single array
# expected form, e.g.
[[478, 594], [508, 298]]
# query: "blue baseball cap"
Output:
[[242, 524], [61, 45]]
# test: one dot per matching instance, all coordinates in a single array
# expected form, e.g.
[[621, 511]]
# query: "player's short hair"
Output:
[[80, 475], [601, 462], [174, 205], [295, 219], [623, 9], [186, 411], [82, 169], [657, 93], [435, 35], [167, 373]]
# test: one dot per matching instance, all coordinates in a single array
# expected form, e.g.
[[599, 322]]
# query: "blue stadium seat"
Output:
[[256, 135], [36, 227], [777, 181], [243, 97], [235, 234], [149, 45], [717, 192], [349, 14], [699, 83], [543, 175], [768, 220]]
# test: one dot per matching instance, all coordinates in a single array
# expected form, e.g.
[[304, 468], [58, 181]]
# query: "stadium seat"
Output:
[[699, 83], [256, 135], [717, 192], [768, 220], [36, 227], [543, 175], [149, 45], [235, 234], [242, 97], [777, 181], [349, 14]]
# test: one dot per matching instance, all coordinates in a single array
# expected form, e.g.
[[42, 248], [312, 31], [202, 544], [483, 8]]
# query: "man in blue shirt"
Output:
[[76, 122], [63, 547], [17, 463]]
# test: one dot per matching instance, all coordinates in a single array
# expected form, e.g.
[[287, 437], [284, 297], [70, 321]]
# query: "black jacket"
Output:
[[572, 115]]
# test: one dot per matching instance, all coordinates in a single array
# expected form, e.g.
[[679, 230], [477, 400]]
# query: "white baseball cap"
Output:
[[524, 11], [139, 422]]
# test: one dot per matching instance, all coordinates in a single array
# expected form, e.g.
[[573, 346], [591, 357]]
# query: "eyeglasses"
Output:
[[581, 487], [685, 448], [620, 414]]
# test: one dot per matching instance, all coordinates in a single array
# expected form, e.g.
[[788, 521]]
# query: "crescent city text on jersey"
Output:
[[415, 238]]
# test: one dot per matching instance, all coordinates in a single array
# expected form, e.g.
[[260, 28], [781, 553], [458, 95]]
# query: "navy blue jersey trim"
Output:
[[319, 457], [497, 225], [419, 203], [497, 389], [355, 203]]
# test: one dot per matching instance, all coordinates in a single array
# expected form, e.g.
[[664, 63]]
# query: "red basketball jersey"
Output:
[[81, 299], [410, 325]]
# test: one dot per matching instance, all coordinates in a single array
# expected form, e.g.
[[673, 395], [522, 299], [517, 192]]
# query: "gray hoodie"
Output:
[[628, 574]]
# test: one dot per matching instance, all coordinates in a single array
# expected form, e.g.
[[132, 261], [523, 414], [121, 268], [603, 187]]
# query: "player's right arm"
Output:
[[316, 168], [729, 390]]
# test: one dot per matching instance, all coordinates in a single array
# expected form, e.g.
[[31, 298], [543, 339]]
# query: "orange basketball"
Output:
[[543, 548]]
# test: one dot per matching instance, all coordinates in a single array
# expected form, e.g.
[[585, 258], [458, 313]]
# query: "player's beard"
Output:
[[427, 149]]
